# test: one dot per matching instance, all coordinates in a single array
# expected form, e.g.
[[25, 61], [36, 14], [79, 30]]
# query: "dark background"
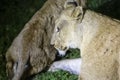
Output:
[[15, 13]]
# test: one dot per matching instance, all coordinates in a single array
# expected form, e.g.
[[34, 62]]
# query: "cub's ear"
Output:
[[71, 3], [77, 13]]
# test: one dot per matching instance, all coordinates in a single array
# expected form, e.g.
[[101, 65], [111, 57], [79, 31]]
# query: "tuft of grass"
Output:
[[59, 75], [72, 53]]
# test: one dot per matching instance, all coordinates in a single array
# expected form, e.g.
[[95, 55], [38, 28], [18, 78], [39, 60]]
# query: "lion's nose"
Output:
[[64, 48], [52, 43]]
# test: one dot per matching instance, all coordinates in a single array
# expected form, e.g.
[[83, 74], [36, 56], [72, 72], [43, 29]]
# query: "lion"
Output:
[[31, 51], [96, 35]]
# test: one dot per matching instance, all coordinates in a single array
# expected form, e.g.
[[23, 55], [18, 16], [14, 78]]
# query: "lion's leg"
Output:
[[70, 65], [9, 65], [18, 70], [20, 67], [119, 67], [9, 69]]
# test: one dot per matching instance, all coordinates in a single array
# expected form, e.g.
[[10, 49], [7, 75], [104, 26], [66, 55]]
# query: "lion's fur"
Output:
[[31, 51], [98, 38]]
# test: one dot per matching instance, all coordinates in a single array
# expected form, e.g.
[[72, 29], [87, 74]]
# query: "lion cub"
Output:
[[96, 35]]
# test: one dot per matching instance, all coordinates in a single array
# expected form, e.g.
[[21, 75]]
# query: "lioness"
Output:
[[30, 51], [96, 35]]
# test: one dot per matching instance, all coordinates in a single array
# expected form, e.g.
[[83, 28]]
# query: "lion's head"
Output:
[[64, 36]]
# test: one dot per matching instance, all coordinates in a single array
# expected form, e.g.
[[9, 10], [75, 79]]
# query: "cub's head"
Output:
[[63, 37]]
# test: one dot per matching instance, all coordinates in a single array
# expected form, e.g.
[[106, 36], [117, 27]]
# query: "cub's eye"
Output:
[[58, 29]]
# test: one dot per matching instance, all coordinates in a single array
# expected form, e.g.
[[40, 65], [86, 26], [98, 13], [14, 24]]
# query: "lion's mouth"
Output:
[[61, 53]]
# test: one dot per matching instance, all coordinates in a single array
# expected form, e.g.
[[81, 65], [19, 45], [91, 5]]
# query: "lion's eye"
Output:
[[58, 29]]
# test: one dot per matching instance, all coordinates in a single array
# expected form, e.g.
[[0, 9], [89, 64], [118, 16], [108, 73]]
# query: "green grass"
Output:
[[59, 75], [13, 16]]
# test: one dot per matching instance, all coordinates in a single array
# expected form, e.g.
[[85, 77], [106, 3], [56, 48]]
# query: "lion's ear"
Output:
[[82, 3], [71, 3], [75, 3], [77, 13]]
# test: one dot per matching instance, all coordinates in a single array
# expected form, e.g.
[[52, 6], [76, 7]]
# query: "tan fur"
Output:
[[98, 38], [30, 51]]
